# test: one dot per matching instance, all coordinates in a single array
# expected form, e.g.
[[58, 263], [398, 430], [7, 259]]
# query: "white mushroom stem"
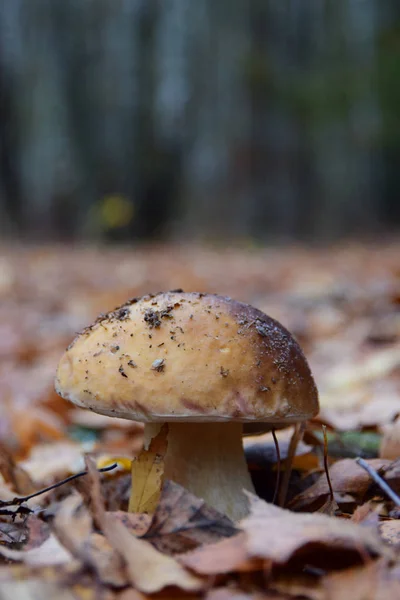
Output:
[[208, 460]]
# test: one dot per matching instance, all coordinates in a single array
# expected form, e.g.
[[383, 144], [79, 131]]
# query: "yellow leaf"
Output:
[[147, 475]]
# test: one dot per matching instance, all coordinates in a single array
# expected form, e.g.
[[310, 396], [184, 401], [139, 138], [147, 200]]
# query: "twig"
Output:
[[278, 474], [296, 437], [379, 480], [326, 463], [20, 500]]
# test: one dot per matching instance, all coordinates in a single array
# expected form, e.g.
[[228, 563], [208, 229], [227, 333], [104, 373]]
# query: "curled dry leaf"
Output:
[[148, 569], [74, 528], [277, 534], [182, 521], [13, 474], [347, 478], [147, 474]]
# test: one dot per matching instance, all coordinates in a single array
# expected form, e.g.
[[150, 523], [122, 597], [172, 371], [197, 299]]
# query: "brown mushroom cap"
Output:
[[179, 356]]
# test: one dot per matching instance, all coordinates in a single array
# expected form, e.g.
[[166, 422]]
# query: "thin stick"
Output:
[[16, 501], [296, 437], [379, 481], [278, 474], [326, 463]]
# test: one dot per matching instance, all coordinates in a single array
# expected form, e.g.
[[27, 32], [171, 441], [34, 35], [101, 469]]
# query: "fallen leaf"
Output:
[[390, 444], [366, 514], [13, 474], [369, 581], [277, 534], [23, 533], [34, 589], [51, 552], [74, 529], [390, 532], [13, 534], [148, 569], [182, 521], [137, 523], [226, 556], [49, 461], [147, 474], [347, 477]]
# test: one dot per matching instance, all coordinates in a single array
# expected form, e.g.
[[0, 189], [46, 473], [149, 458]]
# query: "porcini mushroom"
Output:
[[205, 365]]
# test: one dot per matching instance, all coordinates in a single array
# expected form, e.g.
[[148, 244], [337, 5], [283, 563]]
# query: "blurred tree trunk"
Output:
[[257, 119]]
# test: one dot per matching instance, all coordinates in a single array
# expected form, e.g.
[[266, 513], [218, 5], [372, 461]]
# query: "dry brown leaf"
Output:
[[147, 474], [148, 570], [47, 462], [23, 533], [136, 523], [297, 585], [278, 534], [226, 556], [347, 477], [390, 532], [13, 474], [182, 521], [51, 552], [366, 514], [35, 589], [390, 444], [371, 581], [73, 526]]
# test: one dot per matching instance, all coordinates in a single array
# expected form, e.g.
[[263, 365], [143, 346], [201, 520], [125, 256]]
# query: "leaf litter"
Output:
[[80, 541]]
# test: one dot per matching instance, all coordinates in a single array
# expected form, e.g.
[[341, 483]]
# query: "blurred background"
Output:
[[255, 120]]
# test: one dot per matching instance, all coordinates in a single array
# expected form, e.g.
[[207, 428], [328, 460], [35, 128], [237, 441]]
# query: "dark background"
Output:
[[251, 120]]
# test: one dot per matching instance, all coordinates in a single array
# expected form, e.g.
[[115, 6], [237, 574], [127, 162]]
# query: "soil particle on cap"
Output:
[[152, 318], [114, 349], [262, 328], [122, 314], [224, 372], [158, 365], [264, 388], [132, 364], [121, 370]]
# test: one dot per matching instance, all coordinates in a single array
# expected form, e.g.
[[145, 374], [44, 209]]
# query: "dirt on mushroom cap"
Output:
[[198, 357]]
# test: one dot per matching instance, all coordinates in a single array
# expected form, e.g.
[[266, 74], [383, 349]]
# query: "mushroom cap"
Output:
[[179, 356]]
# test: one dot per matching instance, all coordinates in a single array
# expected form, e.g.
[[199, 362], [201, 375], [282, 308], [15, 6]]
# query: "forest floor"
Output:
[[79, 541]]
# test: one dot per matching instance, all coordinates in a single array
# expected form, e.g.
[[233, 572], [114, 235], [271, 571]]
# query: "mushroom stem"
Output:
[[208, 460]]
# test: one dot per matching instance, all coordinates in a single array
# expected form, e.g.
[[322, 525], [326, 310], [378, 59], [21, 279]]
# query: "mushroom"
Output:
[[202, 363]]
